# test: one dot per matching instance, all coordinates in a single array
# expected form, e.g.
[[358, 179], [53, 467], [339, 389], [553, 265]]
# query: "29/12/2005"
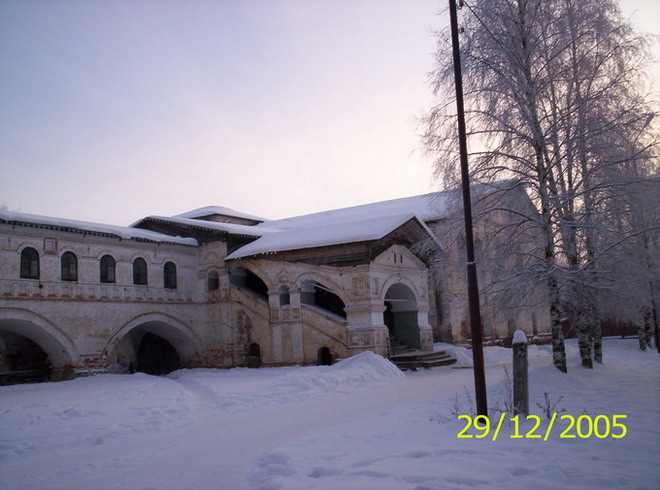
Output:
[[583, 427]]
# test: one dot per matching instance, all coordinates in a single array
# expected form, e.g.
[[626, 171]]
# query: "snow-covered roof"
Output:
[[123, 232], [221, 210], [231, 228], [340, 232], [358, 223], [427, 207]]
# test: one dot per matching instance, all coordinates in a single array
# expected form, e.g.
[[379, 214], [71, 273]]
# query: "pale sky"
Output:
[[117, 109]]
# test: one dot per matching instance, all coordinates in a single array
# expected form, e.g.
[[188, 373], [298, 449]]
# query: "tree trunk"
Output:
[[648, 327], [641, 334], [584, 334], [598, 341], [558, 347]]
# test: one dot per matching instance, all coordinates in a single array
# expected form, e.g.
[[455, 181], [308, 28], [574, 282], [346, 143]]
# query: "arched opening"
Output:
[[69, 267], [213, 281], [154, 347], [324, 356], [22, 360], [249, 281], [107, 267], [316, 294], [400, 317], [140, 272], [169, 275], [156, 356], [29, 263], [253, 355], [32, 352], [285, 298]]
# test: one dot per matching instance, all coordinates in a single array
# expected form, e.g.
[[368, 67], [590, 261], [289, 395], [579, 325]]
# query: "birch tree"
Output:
[[553, 100]]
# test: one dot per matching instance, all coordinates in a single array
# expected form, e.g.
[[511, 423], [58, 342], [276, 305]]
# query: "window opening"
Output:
[[169, 275], [285, 298], [69, 267], [139, 272], [29, 264], [108, 266], [213, 280]]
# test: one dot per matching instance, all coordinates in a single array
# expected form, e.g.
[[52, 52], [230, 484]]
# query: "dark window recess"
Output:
[[169, 275], [314, 293], [245, 279], [108, 266], [139, 272], [285, 298], [29, 264], [213, 281], [329, 300], [254, 283], [69, 267]]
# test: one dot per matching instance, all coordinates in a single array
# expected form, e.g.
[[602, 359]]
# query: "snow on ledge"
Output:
[[85, 227]]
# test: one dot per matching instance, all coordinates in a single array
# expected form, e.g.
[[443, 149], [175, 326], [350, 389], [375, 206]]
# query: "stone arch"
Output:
[[399, 279], [325, 280], [401, 316], [314, 293], [283, 280], [246, 278], [254, 269], [60, 350], [30, 244], [144, 255], [124, 347], [112, 252]]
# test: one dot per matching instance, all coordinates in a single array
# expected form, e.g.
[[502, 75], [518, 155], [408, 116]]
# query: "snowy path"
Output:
[[359, 425], [218, 445]]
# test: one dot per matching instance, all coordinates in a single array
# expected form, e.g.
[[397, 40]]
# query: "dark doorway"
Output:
[[22, 360], [253, 355], [400, 317], [157, 356], [324, 357]]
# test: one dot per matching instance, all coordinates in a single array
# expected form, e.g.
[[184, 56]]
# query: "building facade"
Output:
[[218, 288]]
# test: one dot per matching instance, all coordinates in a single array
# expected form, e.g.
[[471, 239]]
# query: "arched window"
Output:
[[285, 298], [29, 264], [169, 275], [139, 272], [213, 280], [69, 267], [108, 265]]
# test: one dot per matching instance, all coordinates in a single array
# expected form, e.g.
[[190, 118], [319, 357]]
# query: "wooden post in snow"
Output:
[[520, 379]]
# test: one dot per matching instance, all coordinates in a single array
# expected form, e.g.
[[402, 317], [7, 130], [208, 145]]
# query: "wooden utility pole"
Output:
[[473, 288]]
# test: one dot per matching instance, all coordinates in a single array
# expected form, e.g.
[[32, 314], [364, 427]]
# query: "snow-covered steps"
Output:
[[416, 360]]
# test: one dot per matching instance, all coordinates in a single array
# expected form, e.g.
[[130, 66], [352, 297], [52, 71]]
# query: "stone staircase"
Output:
[[410, 358]]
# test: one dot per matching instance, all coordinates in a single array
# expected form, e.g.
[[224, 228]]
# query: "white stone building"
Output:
[[219, 288]]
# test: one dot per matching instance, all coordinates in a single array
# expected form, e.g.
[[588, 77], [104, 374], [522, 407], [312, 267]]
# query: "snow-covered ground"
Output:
[[360, 424]]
